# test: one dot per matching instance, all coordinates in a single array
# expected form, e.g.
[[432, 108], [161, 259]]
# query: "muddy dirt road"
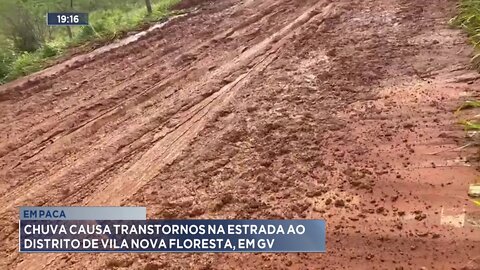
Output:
[[273, 109]]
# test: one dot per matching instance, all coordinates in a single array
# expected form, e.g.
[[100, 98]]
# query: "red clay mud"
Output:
[[273, 109]]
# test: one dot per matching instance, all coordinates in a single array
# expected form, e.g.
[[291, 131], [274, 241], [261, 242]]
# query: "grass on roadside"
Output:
[[469, 104], [469, 20], [470, 125]]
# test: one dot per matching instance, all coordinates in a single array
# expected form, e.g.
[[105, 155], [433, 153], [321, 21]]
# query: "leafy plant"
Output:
[[25, 64], [469, 105], [469, 20], [7, 56]]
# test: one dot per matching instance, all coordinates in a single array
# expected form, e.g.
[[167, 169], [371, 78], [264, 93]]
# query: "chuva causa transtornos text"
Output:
[[180, 243]]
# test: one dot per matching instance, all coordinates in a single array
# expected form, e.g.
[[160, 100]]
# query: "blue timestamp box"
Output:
[[67, 18]]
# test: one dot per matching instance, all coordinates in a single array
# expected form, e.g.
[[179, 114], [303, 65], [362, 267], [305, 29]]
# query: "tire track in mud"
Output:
[[144, 95], [143, 60], [255, 55], [239, 63], [172, 144], [310, 110], [126, 85], [62, 135], [281, 163]]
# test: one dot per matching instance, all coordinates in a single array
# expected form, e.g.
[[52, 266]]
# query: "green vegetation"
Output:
[[469, 124], [469, 105], [469, 20], [27, 43]]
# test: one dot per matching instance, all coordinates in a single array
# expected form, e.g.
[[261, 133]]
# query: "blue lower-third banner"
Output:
[[69, 230]]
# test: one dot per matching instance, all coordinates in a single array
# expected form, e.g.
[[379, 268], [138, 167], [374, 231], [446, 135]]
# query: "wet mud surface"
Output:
[[274, 109]]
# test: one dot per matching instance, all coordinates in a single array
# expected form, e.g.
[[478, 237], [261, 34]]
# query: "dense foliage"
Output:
[[26, 41], [469, 19]]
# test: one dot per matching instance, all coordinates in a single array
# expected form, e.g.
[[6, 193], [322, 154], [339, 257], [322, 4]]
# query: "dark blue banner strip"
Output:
[[67, 18], [172, 236]]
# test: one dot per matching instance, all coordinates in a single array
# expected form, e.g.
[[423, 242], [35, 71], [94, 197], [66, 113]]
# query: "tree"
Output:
[[21, 26], [149, 6]]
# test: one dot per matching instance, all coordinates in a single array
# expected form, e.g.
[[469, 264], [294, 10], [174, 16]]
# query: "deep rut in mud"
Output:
[[259, 109]]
